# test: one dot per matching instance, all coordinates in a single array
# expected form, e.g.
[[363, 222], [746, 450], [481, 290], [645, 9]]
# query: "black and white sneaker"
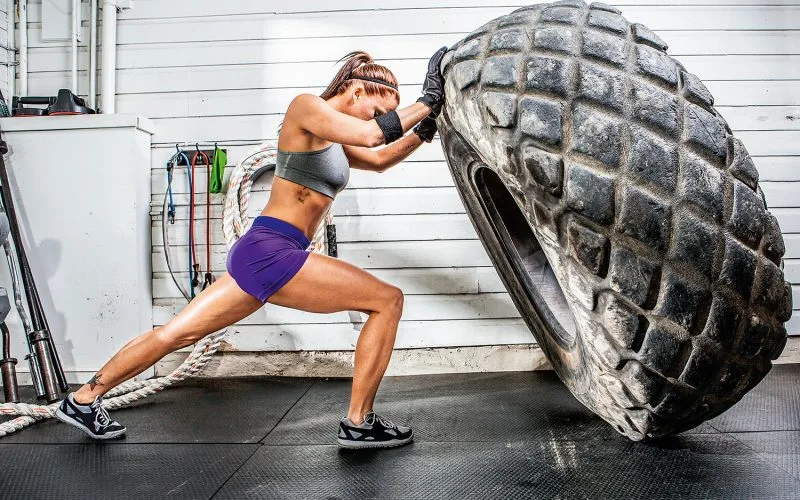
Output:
[[92, 419], [373, 432]]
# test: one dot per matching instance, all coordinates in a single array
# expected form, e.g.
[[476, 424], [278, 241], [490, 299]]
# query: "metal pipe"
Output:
[[8, 368], [6, 340], [23, 47], [43, 353], [7, 363], [108, 85], [76, 16], [15, 285], [60, 376], [33, 365], [12, 53], [93, 54]]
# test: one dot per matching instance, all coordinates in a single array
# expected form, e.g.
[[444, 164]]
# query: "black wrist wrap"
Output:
[[390, 125]]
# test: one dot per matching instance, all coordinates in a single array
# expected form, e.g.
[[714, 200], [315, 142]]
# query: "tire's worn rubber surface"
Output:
[[571, 135]]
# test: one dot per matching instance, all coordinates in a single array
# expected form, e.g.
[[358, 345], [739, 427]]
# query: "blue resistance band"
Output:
[[172, 161], [191, 190]]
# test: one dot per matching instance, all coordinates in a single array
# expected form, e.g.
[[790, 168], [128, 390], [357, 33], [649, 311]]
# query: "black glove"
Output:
[[426, 129], [433, 88]]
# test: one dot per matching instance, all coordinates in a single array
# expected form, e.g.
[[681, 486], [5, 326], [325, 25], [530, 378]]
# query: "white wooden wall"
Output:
[[224, 71], [5, 56]]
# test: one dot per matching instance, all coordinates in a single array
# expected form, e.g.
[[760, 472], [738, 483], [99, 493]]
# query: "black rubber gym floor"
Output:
[[496, 435]]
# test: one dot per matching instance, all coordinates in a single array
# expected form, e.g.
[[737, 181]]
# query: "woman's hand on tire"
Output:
[[426, 129], [433, 88]]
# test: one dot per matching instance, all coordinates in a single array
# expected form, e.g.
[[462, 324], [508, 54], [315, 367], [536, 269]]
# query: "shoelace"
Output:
[[102, 417], [384, 421]]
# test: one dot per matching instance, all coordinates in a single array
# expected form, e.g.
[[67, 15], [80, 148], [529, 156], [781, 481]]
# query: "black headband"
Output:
[[375, 80]]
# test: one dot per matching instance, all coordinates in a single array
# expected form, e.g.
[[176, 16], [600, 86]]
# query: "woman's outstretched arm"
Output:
[[313, 114]]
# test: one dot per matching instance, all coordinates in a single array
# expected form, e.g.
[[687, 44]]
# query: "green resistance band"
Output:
[[218, 170]]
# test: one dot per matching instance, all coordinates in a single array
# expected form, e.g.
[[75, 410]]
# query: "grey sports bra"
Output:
[[325, 170]]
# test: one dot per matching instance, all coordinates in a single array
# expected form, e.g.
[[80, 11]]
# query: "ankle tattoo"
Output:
[[95, 380]]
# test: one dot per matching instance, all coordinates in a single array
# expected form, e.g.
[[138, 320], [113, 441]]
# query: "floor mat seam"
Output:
[[312, 384], [236, 471], [762, 457]]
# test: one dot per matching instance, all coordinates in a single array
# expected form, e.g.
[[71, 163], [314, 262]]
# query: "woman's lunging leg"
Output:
[[218, 306]]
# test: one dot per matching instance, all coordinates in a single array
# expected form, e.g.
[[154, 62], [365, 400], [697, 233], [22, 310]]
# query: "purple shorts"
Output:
[[267, 256]]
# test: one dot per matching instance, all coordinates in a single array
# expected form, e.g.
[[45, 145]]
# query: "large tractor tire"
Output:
[[623, 217]]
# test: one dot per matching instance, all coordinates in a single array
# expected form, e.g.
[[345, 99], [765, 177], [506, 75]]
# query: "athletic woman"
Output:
[[321, 138]]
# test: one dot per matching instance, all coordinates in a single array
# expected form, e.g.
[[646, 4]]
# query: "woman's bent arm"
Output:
[[314, 115], [384, 158]]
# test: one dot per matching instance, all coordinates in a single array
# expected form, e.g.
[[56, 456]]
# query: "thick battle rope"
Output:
[[235, 224]]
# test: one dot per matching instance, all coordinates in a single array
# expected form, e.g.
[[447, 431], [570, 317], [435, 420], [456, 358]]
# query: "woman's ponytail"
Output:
[[360, 64]]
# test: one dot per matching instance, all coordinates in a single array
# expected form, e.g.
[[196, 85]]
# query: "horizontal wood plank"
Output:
[[402, 200], [793, 325], [435, 281], [255, 129], [416, 308], [150, 9], [781, 194], [407, 71], [382, 47], [791, 270], [366, 255], [410, 334], [349, 229], [335, 22], [368, 228], [778, 168], [788, 218]]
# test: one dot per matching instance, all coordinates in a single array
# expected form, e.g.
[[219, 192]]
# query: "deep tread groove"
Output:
[[655, 289], [701, 318], [679, 365], [644, 325]]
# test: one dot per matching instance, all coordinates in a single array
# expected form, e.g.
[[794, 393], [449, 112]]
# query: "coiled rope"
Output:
[[235, 224]]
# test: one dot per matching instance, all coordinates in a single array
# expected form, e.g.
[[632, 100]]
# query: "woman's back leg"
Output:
[[218, 306]]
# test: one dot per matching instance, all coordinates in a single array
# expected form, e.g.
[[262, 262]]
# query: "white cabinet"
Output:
[[81, 187]]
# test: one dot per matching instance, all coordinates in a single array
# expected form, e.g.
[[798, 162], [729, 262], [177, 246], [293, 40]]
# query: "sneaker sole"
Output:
[[360, 445], [71, 421]]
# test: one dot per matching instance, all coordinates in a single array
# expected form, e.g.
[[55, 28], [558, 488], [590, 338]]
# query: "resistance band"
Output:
[[168, 214], [218, 170]]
